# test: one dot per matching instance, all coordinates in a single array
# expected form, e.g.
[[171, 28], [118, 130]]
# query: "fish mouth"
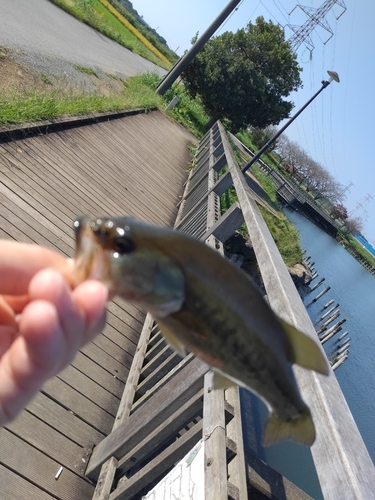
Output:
[[90, 259]]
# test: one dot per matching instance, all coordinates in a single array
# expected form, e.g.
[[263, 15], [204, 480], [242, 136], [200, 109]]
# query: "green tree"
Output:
[[244, 76]]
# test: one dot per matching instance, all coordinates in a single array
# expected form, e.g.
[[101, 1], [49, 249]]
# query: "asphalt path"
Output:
[[40, 30]]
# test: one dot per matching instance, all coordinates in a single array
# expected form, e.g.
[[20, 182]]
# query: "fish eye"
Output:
[[123, 245]]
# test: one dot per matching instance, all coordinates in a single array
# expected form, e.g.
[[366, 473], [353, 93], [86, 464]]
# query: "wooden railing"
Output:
[[169, 408]]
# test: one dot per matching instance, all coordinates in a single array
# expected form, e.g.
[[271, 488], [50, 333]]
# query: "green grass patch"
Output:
[[286, 237], [284, 233], [189, 112], [40, 105], [93, 13], [87, 71]]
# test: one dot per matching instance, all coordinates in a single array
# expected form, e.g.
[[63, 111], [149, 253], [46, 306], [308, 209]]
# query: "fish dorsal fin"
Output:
[[173, 341], [220, 381], [305, 351]]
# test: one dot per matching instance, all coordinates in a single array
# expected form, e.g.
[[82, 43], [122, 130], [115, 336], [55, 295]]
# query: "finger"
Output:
[[31, 359], [19, 262], [92, 297], [49, 285], [16, 302], [7, 316]]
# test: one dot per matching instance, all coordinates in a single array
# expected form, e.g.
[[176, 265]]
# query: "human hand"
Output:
[[43, 322]]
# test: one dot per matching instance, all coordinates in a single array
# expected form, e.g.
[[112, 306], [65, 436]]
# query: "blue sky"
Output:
[[337, 128]]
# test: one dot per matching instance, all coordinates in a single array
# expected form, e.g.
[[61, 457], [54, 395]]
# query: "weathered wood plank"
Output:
[[162, 369], [111, 383], [39, 469], [90, 389], [12, 484], [121, 337], [104, 484], [181, 417], [214, 434], [113, 349], [65, 421], [77, 403], [156, 359], [127, 398], [228, 223], [49, 441], [167, 378], [236, 468], [107, 362], [128, 487], [173, 395]]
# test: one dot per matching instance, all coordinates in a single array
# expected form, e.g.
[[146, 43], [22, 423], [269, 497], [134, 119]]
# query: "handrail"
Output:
[[343, 464]]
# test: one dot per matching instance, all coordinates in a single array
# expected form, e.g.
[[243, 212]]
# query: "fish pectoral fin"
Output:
[[301, 430], [173, 341], [220, 381], [306, 352]]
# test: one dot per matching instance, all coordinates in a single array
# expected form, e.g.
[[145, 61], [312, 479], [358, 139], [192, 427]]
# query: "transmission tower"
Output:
[[316, 18]]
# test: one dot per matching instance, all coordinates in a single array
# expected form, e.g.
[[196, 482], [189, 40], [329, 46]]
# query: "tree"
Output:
[[244, 76], [339, 211], [260, 136], [354, 225]]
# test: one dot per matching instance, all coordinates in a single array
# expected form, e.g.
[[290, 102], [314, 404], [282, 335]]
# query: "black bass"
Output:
[[206, 305]]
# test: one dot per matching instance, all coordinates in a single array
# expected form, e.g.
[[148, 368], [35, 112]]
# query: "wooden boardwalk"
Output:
[[135, 165]]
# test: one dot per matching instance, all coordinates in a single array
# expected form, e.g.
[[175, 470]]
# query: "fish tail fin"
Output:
[[300, 429]]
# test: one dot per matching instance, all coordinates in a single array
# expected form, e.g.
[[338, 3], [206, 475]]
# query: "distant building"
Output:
[[365, 243]]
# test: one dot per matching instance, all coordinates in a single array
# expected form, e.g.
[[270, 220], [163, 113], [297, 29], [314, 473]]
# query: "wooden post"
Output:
[[216, 474]]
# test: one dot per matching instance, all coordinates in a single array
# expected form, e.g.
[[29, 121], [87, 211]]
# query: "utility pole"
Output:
[[182, 64]]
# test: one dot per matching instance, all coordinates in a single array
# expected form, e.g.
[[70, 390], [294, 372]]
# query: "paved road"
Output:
[[43, 31]]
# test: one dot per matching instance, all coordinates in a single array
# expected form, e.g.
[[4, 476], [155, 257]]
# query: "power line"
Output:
[[301, 34]]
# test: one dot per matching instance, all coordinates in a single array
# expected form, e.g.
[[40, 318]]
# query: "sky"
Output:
[[337, 128]]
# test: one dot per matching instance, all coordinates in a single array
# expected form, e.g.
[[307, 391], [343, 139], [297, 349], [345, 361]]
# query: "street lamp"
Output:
[[332, 76]]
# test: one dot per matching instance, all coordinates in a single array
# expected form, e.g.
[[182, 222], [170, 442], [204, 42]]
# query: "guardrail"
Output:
[[343, 465]]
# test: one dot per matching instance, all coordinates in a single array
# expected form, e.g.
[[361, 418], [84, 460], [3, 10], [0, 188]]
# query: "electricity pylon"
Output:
[[301, 34]]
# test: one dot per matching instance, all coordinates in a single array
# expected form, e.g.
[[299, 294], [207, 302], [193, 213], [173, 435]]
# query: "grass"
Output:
[[39, 105], [284, 233], [93, 13], [87, 71]]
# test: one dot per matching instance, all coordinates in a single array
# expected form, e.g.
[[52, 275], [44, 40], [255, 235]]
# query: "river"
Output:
[[354, 289]]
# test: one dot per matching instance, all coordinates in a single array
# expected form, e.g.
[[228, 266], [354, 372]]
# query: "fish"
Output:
[[205, 305]]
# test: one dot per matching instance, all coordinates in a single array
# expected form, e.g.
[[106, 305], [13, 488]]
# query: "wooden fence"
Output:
[[168, 404]]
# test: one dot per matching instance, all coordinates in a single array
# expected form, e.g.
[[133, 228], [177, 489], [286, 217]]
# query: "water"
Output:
[[354, 289]]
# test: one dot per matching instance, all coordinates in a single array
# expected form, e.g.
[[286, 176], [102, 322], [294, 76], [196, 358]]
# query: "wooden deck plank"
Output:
[[94, 171], [126, 166], [36, 212], [35, 195], [111, 383], [38, 468], [112, 349], [121, 153], [120, 339], [49, 441], [88, 197], [107, 362], [65, 421], [51, 183], [33, 184], [115, 162], [30, 220], [11, 483], [90, 389], [77, 403]]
